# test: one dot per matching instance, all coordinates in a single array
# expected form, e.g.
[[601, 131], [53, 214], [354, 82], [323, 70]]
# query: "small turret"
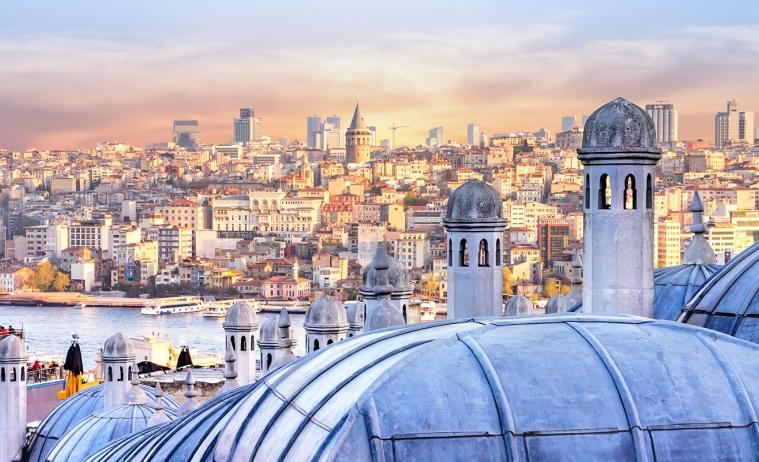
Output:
[[230, 374], [240, 326], [698, 252], [191, 402], [118, 357], [13, 359], [385, 314]]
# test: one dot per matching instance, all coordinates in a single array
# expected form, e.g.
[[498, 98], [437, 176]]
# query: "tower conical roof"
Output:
[[358, 120]]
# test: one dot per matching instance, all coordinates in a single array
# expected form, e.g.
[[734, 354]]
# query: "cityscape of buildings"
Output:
[[289, 219]]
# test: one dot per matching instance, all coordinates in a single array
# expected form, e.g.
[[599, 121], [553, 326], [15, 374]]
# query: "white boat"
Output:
[[80, 306], [173, 305], [218, 308], [428, 310]]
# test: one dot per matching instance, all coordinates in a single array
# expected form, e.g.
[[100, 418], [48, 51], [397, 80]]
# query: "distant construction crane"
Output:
[[396, 127]]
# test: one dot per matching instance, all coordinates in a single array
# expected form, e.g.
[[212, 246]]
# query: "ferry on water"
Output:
[[218, 308], [173, 305]]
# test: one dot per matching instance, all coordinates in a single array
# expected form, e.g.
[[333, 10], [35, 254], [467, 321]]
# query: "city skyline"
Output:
[[120, 73]]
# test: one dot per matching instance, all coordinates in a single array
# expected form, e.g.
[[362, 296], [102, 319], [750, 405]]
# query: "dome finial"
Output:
[[381, 263], [283, 323], [230, 373], [698, 252], [136, 393], [159, 416], [189, 392]]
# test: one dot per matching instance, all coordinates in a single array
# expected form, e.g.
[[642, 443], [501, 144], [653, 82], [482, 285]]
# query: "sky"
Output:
[[74, 73]]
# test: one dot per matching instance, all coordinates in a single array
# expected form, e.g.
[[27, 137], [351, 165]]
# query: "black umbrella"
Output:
[[74, 358], [184, 357]]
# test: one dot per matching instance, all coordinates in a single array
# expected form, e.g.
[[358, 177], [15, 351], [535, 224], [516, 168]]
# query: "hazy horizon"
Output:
[[126, 71]]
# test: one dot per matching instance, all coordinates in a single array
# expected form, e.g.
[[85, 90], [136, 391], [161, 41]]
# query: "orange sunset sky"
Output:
[[74, 74]]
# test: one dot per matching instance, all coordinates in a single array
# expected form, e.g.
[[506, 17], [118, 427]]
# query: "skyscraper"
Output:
[[568, 122], [247, 127], [733, 126], [334, 120], [436, 137], [186, 133], [473, 134], [664, 116], [357, 140], [313, 127]]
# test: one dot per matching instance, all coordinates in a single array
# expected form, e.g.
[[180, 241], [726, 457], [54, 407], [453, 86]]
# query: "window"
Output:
[[329, 342], [404, 314], [23, 373], [649, 192], [268, 360], [252, 343], [121, 373], [232, 342], [463, 254], [631, 193], [483, 255], [2, 374], [110, 374], [243, 343], [587, 191], [13, 374], [316, 344], [604, 192], [450, 252], [497, 252]]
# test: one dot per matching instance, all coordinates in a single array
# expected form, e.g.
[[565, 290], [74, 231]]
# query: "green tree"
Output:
[[508, 281], [551, 287], [61, 282], [44, 276]]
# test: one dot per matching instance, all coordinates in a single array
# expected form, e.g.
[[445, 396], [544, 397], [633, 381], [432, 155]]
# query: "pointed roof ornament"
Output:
[[698, 252], [381, 263], [283, 323], [230, 373], [136, 393], [159, 416], [189, 392], [358, 121]]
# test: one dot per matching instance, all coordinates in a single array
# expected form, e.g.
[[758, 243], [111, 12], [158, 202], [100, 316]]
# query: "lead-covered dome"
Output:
[[674, 286], [240, 316], [12, 350], [326, 311], [397, 274], [594, 388], [118, 347], [385, 314], [474, 201], [619, 126], [73, 410], [729, 301], [518, 305]]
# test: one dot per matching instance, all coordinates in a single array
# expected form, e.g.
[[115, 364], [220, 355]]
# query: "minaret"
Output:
[[13, 359], [698, 252], [619, 155], [118, 357], [474, 222], [357, 140], [191, 402], [385, 313], [240, 326]]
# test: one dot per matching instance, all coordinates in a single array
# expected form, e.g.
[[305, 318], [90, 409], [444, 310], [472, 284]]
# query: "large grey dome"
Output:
[[73, 410], [596, 388], [619, 126], [729, 300], [118, 347], [99, 429], [674, 286], [240, 316], [326, 311], [474, 201]]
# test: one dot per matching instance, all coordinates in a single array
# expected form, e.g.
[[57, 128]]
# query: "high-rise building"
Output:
[[186, 133], [436, 137], [667, 243], [568, 122], [473, 134], [733, 126], [247, 127], [553, 239], [664, 116], [357, 140], [334, 121], [313, 127]]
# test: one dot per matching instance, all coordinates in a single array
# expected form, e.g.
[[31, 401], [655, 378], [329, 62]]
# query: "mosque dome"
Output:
[[385, 314], [190, 437], [118, 346], [674, 286], [12, 349], [240, 315], [474, 201], [518, 305], [450, 389], [397, 274], [74, 410], [556, 304], [268, 332], [619, 126], [326, 311], [99, 429], [729, 301]]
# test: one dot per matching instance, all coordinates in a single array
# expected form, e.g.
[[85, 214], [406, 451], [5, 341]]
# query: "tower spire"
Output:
[[698, 252]]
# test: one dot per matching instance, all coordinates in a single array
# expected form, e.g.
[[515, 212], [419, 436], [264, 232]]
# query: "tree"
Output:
[[508, 281], [47, 278], [551, 287], [61, 282]]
